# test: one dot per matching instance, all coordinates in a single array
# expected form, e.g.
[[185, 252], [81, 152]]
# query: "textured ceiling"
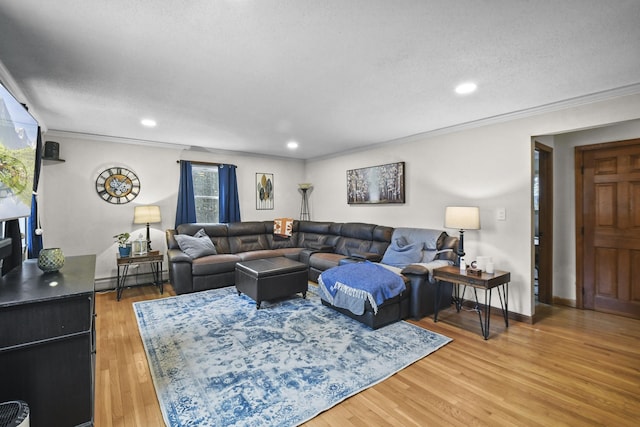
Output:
[[334, 75]]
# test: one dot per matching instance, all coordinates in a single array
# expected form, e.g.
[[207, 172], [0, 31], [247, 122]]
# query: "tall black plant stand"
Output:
[[305, 215]]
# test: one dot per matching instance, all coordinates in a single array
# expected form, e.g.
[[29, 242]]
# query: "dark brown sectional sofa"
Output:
[[320, 245]]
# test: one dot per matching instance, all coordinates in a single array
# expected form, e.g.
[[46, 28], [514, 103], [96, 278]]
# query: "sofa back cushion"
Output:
[[400, 253], [216, 232], [381, 239], [312, 233], [278, 242], [355, 238], [428, 238], [447, 248], [247, 236]]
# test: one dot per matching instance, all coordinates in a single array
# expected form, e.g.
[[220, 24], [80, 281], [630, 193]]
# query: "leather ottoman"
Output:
[[271, 278]]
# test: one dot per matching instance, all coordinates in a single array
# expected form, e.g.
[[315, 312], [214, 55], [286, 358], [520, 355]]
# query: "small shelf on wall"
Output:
[[51, 153], [51, 161]]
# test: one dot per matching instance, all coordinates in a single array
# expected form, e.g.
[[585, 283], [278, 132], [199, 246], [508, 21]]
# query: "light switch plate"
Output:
[[501, 214]]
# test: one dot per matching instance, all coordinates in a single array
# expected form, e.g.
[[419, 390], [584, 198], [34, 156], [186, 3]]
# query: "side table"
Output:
[[486, 282], [154, 260]]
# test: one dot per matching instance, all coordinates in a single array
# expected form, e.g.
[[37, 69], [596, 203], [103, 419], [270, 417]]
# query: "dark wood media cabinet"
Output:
[[47, 341]]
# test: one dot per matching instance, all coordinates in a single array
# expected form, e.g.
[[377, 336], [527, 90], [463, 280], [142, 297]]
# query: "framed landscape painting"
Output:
[[264, 191], [376, 184]]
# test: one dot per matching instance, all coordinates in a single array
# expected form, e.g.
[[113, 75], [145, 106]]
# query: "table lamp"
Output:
[[463, 218], [146, 215]]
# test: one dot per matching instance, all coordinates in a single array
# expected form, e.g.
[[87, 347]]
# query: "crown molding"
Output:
[[547, 108], [632, 89], [54, 133]]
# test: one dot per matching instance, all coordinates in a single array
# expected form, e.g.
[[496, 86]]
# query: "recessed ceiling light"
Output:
[[466, 88], [292, 145], [150, 123]]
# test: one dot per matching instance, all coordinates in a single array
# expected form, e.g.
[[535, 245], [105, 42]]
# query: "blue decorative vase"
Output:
[[124, 251], [50, 260]]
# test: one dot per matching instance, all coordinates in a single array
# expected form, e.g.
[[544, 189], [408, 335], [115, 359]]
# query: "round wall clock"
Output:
[[117, 185]]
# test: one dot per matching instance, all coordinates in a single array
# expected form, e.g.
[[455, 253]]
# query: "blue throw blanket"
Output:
[[360, 281]]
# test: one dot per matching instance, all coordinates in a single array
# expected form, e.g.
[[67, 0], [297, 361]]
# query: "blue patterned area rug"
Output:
[[217, 361]]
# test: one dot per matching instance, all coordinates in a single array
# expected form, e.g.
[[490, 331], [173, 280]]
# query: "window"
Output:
[[205, 192]]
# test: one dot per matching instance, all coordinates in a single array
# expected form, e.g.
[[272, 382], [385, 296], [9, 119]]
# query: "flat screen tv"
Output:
[[18, 140]]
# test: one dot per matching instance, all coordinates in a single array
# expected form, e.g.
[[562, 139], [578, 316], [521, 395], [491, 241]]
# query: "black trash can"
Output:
[[14, 413]]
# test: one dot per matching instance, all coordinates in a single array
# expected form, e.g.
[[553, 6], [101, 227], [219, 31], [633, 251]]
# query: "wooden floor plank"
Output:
[[572, 367]]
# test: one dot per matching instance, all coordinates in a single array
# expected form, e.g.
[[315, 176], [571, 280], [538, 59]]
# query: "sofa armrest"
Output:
[[417, 269], [306, 253], [170, 236], [320, 247], [424, 268], [424, 289], [176, 255], [180, 273], [368, 256]]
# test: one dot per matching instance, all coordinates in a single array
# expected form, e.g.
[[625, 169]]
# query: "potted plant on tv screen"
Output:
[[123, 246]]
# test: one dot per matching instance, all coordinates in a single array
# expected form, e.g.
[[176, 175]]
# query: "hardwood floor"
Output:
[[572, 367]]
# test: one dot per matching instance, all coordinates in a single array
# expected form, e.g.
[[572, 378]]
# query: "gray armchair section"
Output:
[[438, 249], [320, 245]]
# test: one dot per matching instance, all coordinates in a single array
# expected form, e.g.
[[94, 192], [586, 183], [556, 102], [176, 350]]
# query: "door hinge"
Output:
[[582, 230], [582, 169]]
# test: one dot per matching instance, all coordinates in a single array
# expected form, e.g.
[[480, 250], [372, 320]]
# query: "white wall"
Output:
[[490, 167], [77, 220]]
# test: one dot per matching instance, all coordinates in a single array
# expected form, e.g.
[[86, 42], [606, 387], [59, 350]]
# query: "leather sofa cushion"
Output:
[[349, 245], [214, 264], [325, 260], [247, 236], [382, 233], [256, 242], [315, 234], [259, 254], [277, 242], [314, 227], [358, 230], [293, 253]]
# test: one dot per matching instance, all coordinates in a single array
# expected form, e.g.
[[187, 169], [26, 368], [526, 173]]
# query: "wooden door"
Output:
[[544, 247], [608, 220]]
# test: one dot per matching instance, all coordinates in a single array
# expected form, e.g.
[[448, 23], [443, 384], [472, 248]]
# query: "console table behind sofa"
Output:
[[320, 245]]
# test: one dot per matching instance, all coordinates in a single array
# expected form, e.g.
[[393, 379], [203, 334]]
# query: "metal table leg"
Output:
[[436, 305], [122, 278], [505, 308], [156, 269], [486, 322]]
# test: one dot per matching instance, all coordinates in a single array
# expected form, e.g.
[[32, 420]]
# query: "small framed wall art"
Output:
[[376, 184], [264, 191]]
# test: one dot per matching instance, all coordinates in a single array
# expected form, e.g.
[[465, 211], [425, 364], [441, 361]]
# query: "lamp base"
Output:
[[148, 239], [461, 244]]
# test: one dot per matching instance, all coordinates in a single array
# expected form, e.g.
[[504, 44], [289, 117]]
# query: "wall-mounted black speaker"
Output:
[[51, 150]]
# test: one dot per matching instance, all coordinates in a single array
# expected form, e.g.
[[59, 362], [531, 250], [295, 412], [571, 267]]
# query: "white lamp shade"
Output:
[[462, 217], [146, 214]]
